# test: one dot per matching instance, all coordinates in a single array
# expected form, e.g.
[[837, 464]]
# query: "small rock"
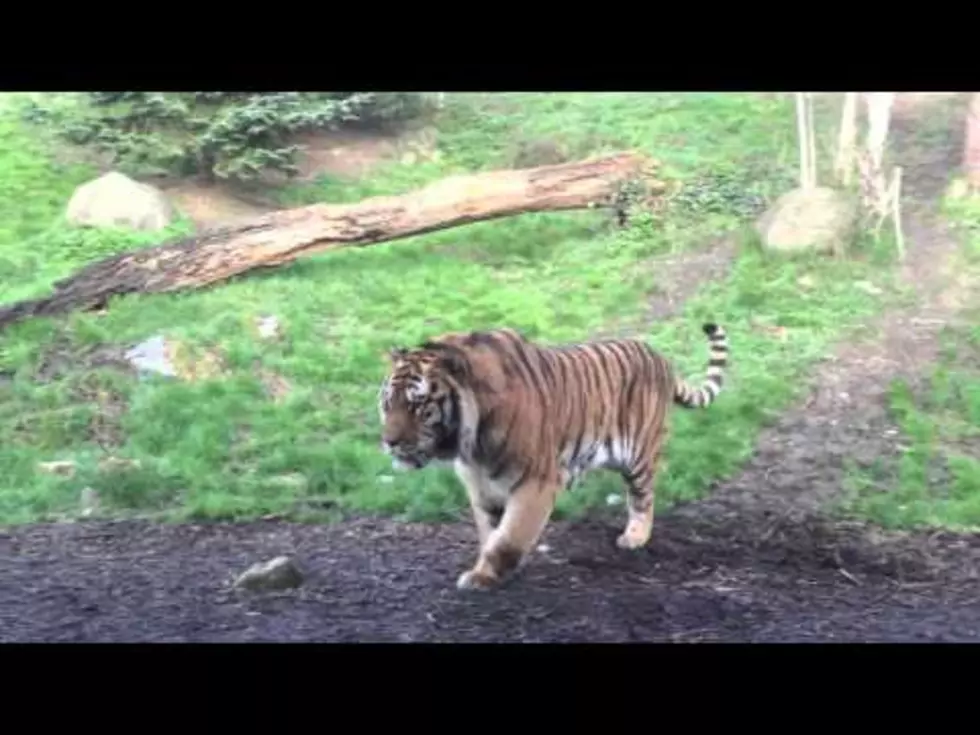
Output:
[[267, 326], [89, 501], [614, 499], [292, 480], [805, 282], [868, 288], [65, 468], [959, 188], [175, 359], [820, 219], [115, 464], [277, 574], [115, 200], [152, 355]]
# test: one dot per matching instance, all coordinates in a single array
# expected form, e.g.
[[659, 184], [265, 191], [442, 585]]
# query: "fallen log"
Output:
[[281, 237]]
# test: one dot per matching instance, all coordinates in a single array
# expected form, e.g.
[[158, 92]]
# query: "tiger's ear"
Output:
[[455, 366], [394, 354]]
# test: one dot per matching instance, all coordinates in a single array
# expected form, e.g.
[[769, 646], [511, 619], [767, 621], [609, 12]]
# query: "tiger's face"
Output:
[[419, 412]]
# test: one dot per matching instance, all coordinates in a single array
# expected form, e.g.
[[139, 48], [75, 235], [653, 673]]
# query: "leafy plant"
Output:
[[220, 135]]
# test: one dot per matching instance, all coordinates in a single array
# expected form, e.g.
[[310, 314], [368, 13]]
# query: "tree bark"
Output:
[[971, 150], [281, 237]]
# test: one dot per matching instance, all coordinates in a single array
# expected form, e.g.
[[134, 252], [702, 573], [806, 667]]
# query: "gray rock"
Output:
[[63, 467], [820, 219], [115, 200], [89, 501], [277, 574], [152, 356], [268, 327]]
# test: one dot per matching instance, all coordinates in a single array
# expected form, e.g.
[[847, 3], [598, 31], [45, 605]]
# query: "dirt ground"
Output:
[[344, 155], [756, 561]]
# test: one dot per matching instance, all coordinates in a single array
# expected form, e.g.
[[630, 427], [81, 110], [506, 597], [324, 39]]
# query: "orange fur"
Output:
[[521, 421]]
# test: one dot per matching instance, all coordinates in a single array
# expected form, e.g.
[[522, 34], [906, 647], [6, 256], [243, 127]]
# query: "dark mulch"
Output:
[[744, 579]]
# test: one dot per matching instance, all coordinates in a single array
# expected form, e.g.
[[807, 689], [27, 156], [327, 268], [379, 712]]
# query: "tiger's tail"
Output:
[[688, 396]]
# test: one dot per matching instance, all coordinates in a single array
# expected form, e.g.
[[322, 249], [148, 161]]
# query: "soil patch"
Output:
[[344, 154], [352, 154], [750, 578], [211, 205], [678, 277]]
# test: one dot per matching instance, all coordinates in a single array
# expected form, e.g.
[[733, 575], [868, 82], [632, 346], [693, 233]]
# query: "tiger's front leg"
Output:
[[486, 513], [525, 517]]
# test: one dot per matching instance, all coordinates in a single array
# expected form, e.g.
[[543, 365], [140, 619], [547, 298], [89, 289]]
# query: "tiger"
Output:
[[520, 422]]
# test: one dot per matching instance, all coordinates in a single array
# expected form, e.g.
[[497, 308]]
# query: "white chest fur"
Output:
[[492, 492]]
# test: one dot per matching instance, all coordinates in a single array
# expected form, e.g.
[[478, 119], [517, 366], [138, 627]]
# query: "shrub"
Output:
[[224, 135]]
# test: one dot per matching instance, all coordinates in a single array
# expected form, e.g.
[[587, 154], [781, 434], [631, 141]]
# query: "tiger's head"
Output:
[[419, 407]]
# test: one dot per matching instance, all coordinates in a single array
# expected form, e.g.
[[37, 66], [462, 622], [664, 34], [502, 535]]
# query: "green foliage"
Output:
[[725, 190], [221, 135]]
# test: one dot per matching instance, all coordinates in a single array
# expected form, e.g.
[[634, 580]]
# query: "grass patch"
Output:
[[225, 447], [934, 479]]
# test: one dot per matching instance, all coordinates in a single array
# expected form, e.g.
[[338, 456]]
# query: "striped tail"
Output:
[[689, 397]]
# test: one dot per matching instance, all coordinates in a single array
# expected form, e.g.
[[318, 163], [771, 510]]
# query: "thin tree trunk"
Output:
[[846, 160]]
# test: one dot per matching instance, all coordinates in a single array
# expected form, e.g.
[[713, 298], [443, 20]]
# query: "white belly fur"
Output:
[[495, 492], [595, 456]]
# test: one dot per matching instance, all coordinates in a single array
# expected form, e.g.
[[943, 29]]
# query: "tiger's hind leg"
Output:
[[507, 546], [640, 480]]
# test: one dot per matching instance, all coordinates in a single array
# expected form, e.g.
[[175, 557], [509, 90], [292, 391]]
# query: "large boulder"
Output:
[[115, 200], [820, 219]]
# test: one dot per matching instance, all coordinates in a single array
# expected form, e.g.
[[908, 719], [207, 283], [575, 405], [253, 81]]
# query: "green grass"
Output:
[[934, 480], [223, 448]]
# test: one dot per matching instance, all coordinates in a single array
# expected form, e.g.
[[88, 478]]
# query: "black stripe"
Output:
[[717, 362], [494, 510], [622, 356], [520, 353], [636, 472], [598, 352], [525, 471], [560, 362], [628, 391], [523, 353], [546, 369], [583, 381]]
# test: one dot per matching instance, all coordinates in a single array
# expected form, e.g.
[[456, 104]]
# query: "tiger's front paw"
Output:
[[475, 580], [635, 536]]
